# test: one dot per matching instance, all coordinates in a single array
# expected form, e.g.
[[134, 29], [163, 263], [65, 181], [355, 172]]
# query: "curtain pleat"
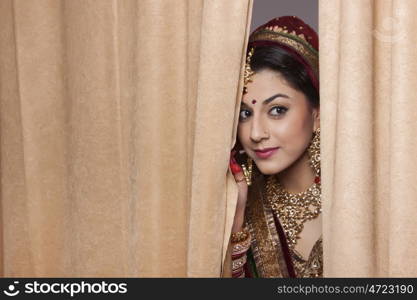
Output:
[[116, 122], [368, 113]]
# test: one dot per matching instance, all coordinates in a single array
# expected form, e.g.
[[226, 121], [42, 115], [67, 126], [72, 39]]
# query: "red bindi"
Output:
[[253, 101]]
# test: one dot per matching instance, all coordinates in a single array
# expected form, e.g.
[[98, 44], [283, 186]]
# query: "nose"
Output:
[[259, 130]]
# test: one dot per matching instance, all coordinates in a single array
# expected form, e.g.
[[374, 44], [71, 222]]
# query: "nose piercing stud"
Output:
[[253, 101]]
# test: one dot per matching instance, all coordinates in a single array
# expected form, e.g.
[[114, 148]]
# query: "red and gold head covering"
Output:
[[293, 35]]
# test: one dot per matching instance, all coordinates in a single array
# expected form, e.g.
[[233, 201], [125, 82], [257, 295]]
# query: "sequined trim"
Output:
[[302, 47], [242, 247], [313, 266], [266, 247], [238, 263]]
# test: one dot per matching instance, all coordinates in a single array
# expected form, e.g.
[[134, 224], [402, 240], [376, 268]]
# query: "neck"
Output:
[[298, 177]]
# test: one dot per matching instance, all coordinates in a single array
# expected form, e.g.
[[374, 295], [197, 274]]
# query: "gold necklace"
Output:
[[293, 210]]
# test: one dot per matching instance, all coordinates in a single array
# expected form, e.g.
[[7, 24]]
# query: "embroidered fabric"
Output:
[[271, 257], [313, 265]]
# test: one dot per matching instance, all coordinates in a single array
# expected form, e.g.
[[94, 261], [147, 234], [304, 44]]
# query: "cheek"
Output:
[[296, 132]]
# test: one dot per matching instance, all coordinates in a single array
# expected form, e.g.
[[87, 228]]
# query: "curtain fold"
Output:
[[368, 112], [116, 121]]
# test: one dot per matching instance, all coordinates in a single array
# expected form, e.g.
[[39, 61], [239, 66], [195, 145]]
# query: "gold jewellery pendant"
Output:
[[293, 210]]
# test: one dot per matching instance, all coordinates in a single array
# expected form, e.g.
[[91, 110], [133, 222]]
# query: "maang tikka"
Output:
[[248, 71]]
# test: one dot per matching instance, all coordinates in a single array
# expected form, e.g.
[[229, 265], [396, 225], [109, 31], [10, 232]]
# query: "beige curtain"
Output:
[[368, 63], [116, 121]]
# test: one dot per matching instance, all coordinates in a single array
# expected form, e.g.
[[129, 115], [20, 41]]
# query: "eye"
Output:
[[278, 110], [244, 114]]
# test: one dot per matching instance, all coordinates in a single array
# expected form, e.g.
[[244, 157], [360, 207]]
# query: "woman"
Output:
[[277, 226]]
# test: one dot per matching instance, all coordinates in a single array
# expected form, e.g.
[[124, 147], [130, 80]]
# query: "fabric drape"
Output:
[[368, 85], [115, 135]]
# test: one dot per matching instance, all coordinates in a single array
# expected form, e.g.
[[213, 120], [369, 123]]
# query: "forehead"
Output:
[[267, 83]]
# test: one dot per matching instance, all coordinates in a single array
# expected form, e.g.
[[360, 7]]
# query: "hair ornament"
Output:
[[248, 71]]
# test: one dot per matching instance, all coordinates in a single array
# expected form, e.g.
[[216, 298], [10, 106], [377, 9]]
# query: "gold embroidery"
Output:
[[269, 217], [266, 247], [313, 266], [298, 43]]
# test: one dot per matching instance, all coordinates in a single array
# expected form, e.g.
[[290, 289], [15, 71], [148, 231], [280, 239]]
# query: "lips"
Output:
[[265, 153]]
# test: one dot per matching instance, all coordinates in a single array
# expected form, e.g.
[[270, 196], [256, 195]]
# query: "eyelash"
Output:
[[281, 111]]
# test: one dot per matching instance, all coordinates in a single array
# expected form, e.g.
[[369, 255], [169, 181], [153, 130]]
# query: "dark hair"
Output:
[[295, 73]]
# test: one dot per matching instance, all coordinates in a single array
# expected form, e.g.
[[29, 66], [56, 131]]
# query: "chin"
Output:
[[268, 168]]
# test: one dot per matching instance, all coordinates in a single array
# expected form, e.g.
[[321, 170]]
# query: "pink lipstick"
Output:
[[266, 153]]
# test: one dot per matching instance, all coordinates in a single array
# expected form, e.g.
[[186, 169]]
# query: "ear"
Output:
[[316, 118]]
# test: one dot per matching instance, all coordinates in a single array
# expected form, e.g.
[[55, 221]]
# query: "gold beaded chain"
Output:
[[293, 210]]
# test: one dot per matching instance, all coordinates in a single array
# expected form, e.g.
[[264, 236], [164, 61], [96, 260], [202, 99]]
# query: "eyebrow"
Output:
[[270, 99]]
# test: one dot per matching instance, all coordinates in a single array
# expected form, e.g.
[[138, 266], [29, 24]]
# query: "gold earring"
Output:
[[314, 154], [247, 171]]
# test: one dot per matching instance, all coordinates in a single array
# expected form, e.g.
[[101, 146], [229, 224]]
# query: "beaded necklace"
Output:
[[293, 210]]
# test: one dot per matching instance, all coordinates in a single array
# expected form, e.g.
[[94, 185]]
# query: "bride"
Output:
[[276, 161]]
